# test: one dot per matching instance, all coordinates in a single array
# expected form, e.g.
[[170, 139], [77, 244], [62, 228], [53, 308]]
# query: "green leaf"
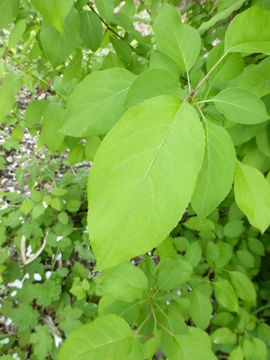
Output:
[[91, 147], [54, 118], [11, 84], [17, 33], [200, 309], [252, 195], [150, 83], [225, 295], [97, 102], [162, 139], [54, 11], [228, 69], [179, 41], [159, 60], [66, 42], [249, 32], [194, 254], [108, 336], [224, 336], [263, 141], [34, 112], [191, 346], [105, 8], [8, 11], [223, 14], [256, 78], [41, 341], [25, 317], [172, 273], [237, 354], [216, 176], [233, 228], [91, 29], [244, 287], [46, 293], [240, 106], [124, 282]]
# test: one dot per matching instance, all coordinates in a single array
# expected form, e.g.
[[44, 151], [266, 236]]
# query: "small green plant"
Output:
[[171, 103]]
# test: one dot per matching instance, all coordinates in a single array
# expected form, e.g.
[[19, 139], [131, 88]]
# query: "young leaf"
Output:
[[191, 346], [223, 14], [249, 32], [216, 176], [54, 119], [179, 41], [125, 282], [8, 11], [11, 84], [200, 309], [172, 273], [97, 102], [243, 286], [162, 139], [252, 195], [91, 29], [54, 11], [107, 336], [224, 336], [256, 78], [225, 295], [150, 83], [159, 60], [240, 106], [66, 42]]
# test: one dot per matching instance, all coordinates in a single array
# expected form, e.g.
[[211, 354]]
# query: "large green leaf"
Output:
[[91, 29], [11, 84], [249, 32], [54, 11], [252, 195], [97, 102], [179, 41], [222, 14], [8, 11], [216, 176], [256, 78], [143, 177], [150, 83], [240, 106], [107, 337], [63, 44]]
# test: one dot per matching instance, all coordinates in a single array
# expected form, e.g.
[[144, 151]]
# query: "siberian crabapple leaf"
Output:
[[222, 14], [179, 41], [108, 336], [54, 11], [143, 177], [249, 32], [240, 106], [91, 29], [97, 102], [150, 83], [216, 176], [252, 195]]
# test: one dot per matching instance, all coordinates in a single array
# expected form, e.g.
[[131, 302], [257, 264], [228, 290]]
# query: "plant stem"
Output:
[[193, 92], [264, 307]]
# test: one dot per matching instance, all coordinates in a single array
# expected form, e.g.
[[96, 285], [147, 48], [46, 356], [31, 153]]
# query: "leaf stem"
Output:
[[264, 307], [193, 92]]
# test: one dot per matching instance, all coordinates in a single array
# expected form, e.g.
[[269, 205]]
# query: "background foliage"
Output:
[[170, 100]]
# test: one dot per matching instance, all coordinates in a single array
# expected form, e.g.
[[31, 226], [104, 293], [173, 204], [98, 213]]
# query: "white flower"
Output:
[[37, 277]]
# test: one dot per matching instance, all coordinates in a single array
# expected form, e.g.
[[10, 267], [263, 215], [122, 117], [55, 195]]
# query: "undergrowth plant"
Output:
[[170, 101]]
